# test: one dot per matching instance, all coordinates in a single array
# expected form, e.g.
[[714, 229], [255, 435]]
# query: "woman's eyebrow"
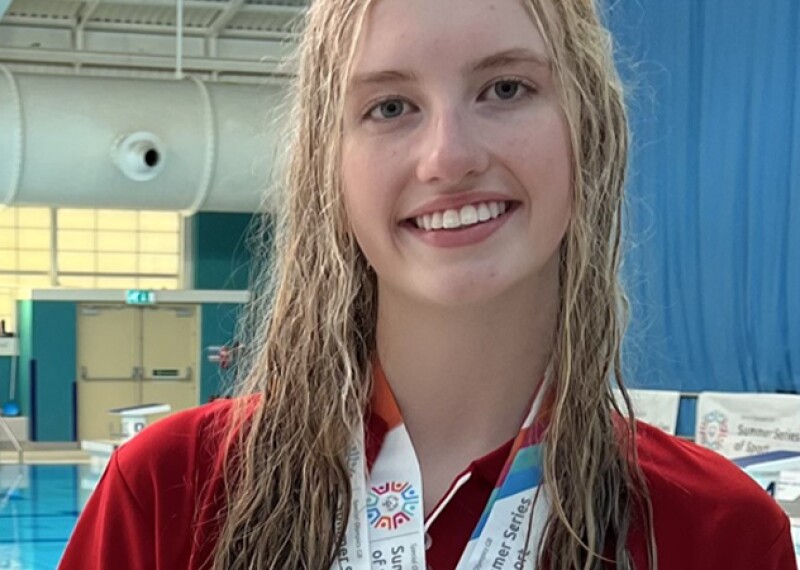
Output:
[[500, 59], [378, 77], [510, 57]]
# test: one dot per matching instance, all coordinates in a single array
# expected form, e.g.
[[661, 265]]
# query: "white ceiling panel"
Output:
[[226, 35]]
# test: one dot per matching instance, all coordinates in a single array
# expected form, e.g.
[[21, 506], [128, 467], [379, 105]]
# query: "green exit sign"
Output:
[[140, 297]]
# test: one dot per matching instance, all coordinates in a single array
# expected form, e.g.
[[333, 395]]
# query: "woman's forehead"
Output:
[[402, 33]]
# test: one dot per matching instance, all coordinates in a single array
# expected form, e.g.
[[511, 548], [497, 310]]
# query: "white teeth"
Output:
[[467, 216], [451, 219]]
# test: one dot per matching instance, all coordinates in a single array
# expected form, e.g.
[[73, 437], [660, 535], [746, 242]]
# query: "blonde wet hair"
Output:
[[310, 329]]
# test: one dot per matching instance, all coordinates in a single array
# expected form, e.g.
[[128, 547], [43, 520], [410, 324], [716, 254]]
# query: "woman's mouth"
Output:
[[460, 227], [469, 215]]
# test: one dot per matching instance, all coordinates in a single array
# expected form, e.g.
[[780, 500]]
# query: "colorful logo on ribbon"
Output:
[[391, 505], [713, 430]]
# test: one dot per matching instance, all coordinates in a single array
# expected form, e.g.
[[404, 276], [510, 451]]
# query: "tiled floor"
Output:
[[39, 505]]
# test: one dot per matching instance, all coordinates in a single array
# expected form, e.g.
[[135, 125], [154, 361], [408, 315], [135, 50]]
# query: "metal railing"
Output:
[[11, 437]]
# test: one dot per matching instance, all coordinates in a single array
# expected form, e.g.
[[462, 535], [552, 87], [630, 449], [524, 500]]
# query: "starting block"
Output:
[[133, 419]]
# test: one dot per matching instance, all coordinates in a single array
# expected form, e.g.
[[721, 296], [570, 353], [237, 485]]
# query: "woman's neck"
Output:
[[463, 377]]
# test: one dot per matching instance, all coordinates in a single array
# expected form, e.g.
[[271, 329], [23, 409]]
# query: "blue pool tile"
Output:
[[39, 505]]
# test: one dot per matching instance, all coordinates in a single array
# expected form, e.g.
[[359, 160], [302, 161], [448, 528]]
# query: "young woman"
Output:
[[431, 382]]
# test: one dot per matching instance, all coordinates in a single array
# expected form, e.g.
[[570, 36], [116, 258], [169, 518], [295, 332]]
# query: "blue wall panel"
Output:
[[713, 260], [55, 352], [5, 377], [217, 328]]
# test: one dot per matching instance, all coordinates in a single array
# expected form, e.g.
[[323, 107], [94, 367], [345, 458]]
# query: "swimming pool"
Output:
[[39, 505]]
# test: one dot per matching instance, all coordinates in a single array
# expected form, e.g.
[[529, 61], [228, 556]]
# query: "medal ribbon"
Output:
[[386, 527]]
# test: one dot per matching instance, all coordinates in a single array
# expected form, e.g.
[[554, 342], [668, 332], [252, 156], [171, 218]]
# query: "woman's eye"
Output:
[[389, 109], [506, 90]]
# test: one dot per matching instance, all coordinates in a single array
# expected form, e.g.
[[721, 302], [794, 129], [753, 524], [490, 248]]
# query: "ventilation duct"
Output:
[[135, 143]]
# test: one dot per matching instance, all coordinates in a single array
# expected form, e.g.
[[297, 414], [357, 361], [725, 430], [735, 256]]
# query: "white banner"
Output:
[[658, 408], [738, 425]]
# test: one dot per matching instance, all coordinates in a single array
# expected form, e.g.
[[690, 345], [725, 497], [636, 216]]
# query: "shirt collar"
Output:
[[384, 414]]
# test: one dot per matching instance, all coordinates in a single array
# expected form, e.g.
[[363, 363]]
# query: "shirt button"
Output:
[[428, 542]]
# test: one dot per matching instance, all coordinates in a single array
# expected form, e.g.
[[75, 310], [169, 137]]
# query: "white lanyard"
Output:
[[386, 528]]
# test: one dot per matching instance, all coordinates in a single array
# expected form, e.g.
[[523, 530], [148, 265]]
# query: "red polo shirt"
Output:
[[156, 506]]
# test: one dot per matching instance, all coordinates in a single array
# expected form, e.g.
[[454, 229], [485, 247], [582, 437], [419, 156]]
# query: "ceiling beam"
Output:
[[268, 67], [268, 35], [222, 20]]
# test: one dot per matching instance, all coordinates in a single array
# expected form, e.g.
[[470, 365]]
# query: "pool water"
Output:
[[39, 505]]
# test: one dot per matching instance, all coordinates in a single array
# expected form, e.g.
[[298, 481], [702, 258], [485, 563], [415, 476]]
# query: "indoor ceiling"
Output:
[[217, 39]]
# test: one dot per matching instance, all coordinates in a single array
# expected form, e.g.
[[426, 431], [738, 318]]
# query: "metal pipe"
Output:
[[264, 67], [211, 150], [17, 137], [179, 42]]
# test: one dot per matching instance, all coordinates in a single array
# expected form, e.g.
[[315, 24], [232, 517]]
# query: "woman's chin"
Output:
[[454, 293]]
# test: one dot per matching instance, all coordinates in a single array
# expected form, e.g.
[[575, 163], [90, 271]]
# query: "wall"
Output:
[[49, 337], [223, 259], [25, 328], [55, 353], [220, 255], [5, 376], [713, 258], [218, 325]]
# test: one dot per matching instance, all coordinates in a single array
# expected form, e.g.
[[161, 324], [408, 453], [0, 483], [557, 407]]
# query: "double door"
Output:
[[134, 355]]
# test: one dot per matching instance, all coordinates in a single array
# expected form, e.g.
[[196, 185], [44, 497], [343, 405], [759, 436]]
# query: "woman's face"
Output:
[[456, 156]]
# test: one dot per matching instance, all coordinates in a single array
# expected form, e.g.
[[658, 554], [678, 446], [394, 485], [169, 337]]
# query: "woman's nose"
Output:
[[450, 149]]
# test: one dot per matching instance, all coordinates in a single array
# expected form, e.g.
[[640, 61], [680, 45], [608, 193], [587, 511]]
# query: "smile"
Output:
[[469, 215], [460, 227]]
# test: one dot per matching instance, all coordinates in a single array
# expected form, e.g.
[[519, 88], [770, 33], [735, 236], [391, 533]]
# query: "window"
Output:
[[24, 256], [89, 249], [112, 243]]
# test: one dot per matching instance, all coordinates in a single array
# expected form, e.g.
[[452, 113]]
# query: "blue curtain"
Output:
[[713, 260]]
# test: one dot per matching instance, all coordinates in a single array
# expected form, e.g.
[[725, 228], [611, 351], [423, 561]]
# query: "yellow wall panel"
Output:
[[116, 283], [34, 239], [159, 221], [8, 238], [116, 241], [159, 242], [121, 244], [77, 281], [8, 259], [155, 283], [78, 219], [33, 217], [73, 261], [33, 281], [8, 280], [154, 263], [117, 220], [34, 261], [76, 240], [116, 263], [8, 217]]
